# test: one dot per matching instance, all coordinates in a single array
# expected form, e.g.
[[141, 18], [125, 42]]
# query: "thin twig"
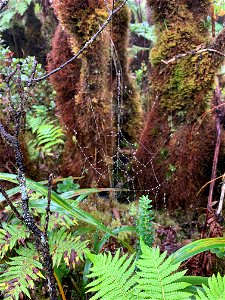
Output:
[[13, 208], [49, 202], [220, 205], [191, 52], [86, 45], [30, 80], [217, 97], [107, 6]]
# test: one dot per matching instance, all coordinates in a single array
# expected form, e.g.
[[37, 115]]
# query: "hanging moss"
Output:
[[91, 146], [66, 81], [183, 89]]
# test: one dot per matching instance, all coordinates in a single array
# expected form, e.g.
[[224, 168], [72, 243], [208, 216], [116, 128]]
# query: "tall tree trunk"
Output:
[[176, 149], [87, 91], [92, 147]]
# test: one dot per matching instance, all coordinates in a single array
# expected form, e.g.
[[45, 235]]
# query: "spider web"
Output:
[[121, 171]]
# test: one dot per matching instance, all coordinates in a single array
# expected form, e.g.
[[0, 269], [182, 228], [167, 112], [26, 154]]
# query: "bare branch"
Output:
[[192, 52], [13, 208], [49, 202], [86, 45]]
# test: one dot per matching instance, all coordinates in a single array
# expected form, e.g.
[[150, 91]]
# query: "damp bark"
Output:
[[176, 149]]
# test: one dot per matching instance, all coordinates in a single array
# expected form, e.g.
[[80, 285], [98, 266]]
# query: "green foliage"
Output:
[[138, 10], [67, 185], [215, 291], [20, 273], [150, 277], [116, 278], [46, 134], [156, 277], [141, 74], [23, 270], [14, 7], [144, 30], [41, 94], [10, 235], [144, 220], [64, 246], [61, 202]]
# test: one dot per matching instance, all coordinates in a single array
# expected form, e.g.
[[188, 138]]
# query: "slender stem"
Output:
[[60, 287], [49, 202], [13, 208], [217, 96]]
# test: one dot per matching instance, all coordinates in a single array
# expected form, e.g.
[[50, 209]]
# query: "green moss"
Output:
[[184, 83]]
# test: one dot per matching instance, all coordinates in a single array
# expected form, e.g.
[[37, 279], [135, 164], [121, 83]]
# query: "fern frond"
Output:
[[144, 220], [46, 136], [10, 235], [114, 277], [20, 274], [215, 291], [65, 246], [156, 278]]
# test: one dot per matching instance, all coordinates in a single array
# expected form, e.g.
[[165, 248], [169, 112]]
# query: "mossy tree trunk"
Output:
[[87, 90], [176, 149], [91, 148]]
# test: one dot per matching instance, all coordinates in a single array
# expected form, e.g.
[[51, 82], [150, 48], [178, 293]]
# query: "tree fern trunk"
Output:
[[176, 149]]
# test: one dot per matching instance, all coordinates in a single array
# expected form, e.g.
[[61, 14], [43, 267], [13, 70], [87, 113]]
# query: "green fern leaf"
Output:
[[114, 277], [215, 291], [21, 7], [65, 246], [20, 274], [10, 235], [156, 278]]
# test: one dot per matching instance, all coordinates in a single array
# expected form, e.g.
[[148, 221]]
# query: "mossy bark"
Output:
[[91, 109], [92, 142], [176, 150]]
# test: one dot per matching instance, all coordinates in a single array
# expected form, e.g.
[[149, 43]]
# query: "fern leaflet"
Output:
[[156, 277], [215, 291], [64, 245], [115, 280], [10, 235], [155, 280], [20, 274]]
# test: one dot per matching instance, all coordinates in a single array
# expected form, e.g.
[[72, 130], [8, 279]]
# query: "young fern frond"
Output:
[[157, 279], [115, 278], [10, 235], [144, 220], [65, 246], [215, 291], [20, 273]]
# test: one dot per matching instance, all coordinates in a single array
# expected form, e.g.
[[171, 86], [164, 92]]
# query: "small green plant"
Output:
[[144, 224], [67, 185]]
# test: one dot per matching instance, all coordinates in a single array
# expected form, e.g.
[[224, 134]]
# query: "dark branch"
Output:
[[49, 202], [13, 208]]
